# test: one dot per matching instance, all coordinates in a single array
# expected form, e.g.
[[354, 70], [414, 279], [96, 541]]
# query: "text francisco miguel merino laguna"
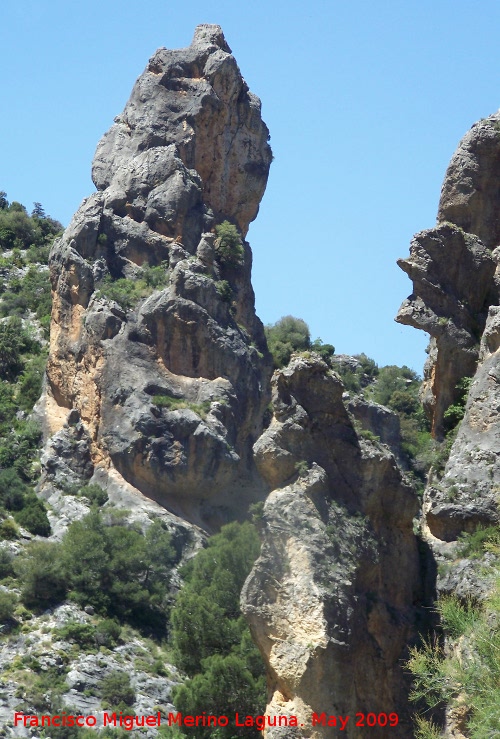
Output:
[[132, 722]]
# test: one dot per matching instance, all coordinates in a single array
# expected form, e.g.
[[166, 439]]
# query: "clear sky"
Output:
[[366, 102]]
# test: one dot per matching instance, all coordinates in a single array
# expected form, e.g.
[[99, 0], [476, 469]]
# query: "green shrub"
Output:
[[41, 574], [32, 292], [174, 404], [6, 559], [9, 529], [118, 570], [8, 602], [127, 292], [107, 633], [33, 516], [95, 494], [210, 637], [467, 671], [286, 336], [398, 383], [228, 245], [441, 452], [19, 230], [426, 729], [8, 407], [37, 254], [155, 277], [117, 692], [123, 291], [431, 677], [456, 617], [19, 448], [228, 687], [368, 435], [10, 352], [30, 384], [325, 351], [302, 468], [455, 412], [474, 545], [82, 634], [13, 490], [224, 289]]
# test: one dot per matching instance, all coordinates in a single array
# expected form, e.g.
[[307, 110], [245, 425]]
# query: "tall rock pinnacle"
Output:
[[157, 362]]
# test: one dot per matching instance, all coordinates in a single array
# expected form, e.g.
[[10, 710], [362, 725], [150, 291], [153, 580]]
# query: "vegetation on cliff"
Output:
[[122, 574], [211, 639], [289, 335], [118, 572], [458, 667], [25, 306]]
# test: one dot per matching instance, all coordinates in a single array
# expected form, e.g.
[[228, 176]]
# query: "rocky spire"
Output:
[[156, 353]]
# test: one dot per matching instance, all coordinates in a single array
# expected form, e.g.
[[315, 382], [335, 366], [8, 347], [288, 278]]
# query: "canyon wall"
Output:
[[159, 382], [456, 276]]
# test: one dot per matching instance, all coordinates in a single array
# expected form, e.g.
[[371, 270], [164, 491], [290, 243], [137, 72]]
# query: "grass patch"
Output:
[[483, 539], [175, 404], [426, 729], [127, 292], [467, 670]]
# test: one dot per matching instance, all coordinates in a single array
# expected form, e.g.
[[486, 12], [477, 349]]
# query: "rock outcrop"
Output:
[[455, 272], [331, 600], [158, 383], [169, 383]]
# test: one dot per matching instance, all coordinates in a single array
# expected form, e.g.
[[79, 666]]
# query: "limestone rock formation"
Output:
[[452, 274], [467, 495], [158, 383], [170, 385], [379, 421], [331, 599], [455, 272]]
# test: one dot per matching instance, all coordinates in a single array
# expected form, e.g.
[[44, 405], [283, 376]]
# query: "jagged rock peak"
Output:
[[155, 344], [469, 196], [192, 104]]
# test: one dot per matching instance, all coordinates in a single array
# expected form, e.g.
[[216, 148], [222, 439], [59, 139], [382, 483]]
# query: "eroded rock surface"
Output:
[[331, 600], [455, 274], [452, 274], [170, 386]]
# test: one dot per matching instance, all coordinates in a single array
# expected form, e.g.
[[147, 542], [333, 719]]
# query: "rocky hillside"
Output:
[[162, 420]]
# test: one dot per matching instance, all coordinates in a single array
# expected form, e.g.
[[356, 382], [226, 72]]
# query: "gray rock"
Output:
[[452, 274], [469, 195], [380, 421], [327, 602], [189, 151], [467, 494]]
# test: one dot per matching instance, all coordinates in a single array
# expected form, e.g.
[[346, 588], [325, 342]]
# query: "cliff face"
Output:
[[168, 389], [455, 274], [331, 599], [159, 377]]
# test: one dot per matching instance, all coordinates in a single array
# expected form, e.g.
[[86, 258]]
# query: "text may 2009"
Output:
[[128, 722]]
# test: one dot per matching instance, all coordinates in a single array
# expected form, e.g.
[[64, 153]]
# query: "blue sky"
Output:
[[365, 101]]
